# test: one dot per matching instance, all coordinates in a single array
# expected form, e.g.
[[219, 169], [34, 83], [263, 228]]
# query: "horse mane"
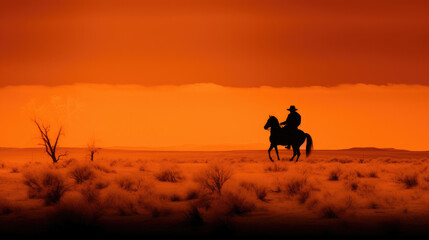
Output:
[[275, 119]]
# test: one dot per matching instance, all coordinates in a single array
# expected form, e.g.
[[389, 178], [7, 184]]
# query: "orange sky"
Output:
[[231, 43], [167, 73], [206, 114]]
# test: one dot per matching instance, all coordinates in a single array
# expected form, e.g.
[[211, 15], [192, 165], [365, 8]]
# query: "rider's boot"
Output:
[[288, 146]]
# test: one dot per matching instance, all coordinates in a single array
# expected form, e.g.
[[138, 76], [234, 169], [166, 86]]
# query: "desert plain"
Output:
[[353, 192]]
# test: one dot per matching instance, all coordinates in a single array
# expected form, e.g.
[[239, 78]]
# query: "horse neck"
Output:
[[275, 127]]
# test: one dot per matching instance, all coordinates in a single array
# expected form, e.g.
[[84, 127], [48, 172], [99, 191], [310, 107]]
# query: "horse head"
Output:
[[272, 121]]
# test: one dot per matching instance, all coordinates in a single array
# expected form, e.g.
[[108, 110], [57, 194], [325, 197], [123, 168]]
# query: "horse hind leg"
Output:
[[294, 154], [298, 153]]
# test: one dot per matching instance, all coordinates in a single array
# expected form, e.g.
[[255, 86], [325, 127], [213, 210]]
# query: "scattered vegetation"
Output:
[[214, 177], [409, 179], [48, 185], [169, 174], [82, 173]]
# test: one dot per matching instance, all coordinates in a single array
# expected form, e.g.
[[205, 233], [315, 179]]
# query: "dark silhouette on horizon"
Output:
[[289, 135]]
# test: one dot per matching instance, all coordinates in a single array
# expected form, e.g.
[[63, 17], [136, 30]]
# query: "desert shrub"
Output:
[[169, 174], [102, 168], [334, 174], [155, 206], [193, 216], [276, 167], [372, 173], [75, 215], [365, 188], [101, 183], [175, 197], [237, 204], [6, 207], [192, 194], [82, 173], [214, 177], [47, 185], [259, 190], [294, 186], [131, 184], [352, 185], [91, 193], [328, 211], [121, 201], [408, 179], [14, 170]]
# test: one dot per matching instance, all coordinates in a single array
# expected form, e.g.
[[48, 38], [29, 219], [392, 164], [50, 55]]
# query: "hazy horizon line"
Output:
[[210, 84]]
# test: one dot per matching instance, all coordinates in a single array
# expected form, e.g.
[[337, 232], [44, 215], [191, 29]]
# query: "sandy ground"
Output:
[[357, 192]]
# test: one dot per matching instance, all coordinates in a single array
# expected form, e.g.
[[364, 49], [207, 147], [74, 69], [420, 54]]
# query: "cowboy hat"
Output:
[[292, 108]]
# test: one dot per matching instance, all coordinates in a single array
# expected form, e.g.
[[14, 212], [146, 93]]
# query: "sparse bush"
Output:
[[175, 197], [192, 194], [169, 174], [82, 173], [101, 184], [91, 193], [214, 177], [352, 185], [121, 201], [47, 185], [193, 216], [258, 189], [6, 207], [372, 174], [328, 211], [102, 168], [237, 204], [409, 179], [276, 167], [14, 170], [128, 183], [334, 174], [75, 214]]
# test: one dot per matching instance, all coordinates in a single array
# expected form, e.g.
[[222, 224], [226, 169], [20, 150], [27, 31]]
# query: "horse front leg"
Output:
[[277, 152], [269, 152]]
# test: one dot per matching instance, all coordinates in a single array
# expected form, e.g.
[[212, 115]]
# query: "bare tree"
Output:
[[93, 149], [51, 149]]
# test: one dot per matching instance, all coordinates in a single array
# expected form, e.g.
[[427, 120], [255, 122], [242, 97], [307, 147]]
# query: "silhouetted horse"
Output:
[[279, 136]]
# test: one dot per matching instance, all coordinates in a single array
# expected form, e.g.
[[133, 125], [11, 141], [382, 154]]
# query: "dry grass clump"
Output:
[[192, 194], [328, 211], [101, 183], [155, 205], [408, 179], [237, 204], [91, 193], [73, 213], [82, 173], [276, 167], [193, 216], [169, 174], [121, 201], [6, 207], [214, 177], [102, 168], [47, 185], [260, 191], [129, 183], [335, 173], [297, 187], [14, 170]]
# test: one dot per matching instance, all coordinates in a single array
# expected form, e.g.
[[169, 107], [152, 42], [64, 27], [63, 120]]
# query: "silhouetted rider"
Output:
[[292, 122]]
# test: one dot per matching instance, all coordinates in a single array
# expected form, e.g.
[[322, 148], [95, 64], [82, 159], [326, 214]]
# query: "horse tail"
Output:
[[309, 145]]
